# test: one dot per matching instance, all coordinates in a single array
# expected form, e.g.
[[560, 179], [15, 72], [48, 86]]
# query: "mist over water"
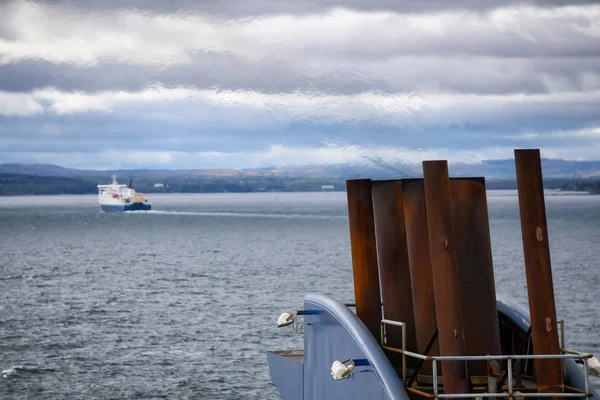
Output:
[[181, 302]]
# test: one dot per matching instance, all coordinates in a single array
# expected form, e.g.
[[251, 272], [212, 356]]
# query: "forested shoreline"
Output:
[[21, 184]]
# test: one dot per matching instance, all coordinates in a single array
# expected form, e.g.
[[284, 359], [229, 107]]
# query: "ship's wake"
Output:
[[240, 214]]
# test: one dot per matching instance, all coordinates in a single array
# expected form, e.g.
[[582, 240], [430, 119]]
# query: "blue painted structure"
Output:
[[333, 332], [126, 207]]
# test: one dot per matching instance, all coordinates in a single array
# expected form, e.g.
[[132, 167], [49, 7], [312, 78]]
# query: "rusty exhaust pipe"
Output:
[[417, 240], [538, 269], [392, 253], [364, 254], [475, 271], [442, 247]]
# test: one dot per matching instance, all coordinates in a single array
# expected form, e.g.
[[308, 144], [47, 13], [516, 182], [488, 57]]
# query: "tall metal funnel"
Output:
[[538, 269], [444, 267], [417, 240], [475, 270], [392, 253], [364, 254]]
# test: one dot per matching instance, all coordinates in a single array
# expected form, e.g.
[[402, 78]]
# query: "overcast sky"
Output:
[[250, 83]]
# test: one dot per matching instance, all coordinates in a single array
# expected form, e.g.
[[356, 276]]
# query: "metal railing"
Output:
[[385, 322], [568, 354]]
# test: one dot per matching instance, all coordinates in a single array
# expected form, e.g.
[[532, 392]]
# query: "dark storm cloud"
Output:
[[27, 75], [208, 70], [455, 121], [130, 36], [159, 82], [407, 74], [351, 36]]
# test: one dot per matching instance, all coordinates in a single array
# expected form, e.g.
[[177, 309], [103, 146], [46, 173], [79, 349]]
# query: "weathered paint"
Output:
[[394, 272], [337, 334], [364, 253], [442, 247], [417, 240], [538, 269], [475, 270]]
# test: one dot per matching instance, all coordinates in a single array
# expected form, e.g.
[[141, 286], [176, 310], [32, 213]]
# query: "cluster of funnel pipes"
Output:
[[421, 248]]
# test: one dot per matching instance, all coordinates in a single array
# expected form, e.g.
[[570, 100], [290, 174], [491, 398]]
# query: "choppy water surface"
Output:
[[180, 302]]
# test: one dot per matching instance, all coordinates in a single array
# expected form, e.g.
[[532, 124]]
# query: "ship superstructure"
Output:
[[426, 321], [117, 197]]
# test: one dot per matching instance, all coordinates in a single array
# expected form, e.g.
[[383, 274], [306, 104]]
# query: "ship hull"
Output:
[[126, 207]]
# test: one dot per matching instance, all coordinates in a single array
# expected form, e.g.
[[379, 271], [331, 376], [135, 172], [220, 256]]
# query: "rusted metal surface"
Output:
[[538, 269], [394, 272], [442, 247], [419, 365], [420, 393], [475, 270], [417, 240], [364, 254]]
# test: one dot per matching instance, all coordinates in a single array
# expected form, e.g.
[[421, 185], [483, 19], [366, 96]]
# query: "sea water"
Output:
[[181, 302]]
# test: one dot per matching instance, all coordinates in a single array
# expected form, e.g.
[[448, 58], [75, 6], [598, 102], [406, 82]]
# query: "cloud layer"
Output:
[[242, 81]]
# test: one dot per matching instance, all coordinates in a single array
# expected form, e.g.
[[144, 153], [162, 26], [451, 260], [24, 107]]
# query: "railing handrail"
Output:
[[506, 394], [579, 356], [390, 322], [568, 354]]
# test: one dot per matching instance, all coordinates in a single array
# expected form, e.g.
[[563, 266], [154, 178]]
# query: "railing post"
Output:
[[563, 346], [586, 373], [509, 372], [403, 350], [538, 269], [364, 253], [435, 378], [518, 374]]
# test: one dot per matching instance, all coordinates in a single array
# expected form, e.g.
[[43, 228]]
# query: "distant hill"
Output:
[[491, 169], [551, 168], [19, 184], [46, 170], [18, 179]]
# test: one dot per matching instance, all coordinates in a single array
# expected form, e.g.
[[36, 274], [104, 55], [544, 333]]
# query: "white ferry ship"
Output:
[[115, 197]]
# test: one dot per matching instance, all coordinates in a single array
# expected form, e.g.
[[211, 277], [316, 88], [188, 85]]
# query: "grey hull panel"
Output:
[[337, 334], [287, 375], [334, 333]]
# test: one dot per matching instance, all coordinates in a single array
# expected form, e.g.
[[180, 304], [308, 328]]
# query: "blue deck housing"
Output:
[[335, 333]]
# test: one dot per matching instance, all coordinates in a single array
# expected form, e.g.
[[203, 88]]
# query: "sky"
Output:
[[259, 83]]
